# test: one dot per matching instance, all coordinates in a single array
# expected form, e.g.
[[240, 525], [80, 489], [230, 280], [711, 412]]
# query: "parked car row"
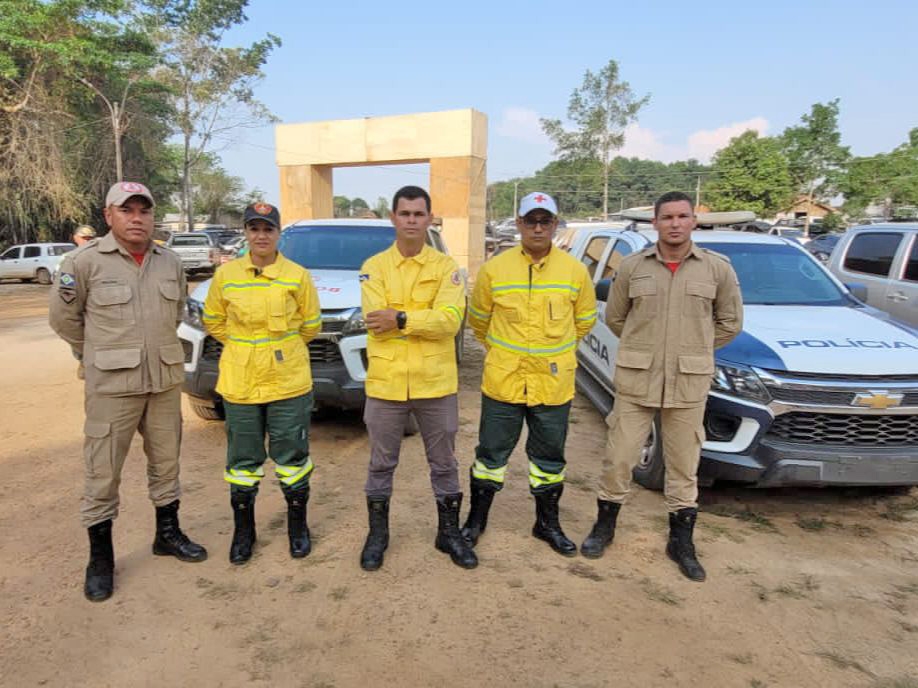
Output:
[[33, 262]]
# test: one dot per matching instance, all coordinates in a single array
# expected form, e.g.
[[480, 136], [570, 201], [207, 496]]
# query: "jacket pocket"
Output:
[[632, 372], [699, 299], [172, 369], [558, 316], [277, 309], [424, 291], [108, 306], [116, 371], [694, 379]]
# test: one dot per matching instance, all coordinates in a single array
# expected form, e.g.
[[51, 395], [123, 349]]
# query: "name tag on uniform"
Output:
[[279, 355]]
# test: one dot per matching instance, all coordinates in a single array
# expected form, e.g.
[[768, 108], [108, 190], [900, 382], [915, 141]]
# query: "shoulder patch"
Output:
[[67, 280], [364, 276], [455, 278]]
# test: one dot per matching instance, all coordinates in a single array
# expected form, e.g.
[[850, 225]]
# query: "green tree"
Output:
[[359, 206], [216, 191], [342, 206], [751, 173], [600, 109], [888, 178], [211, 85], [382, 207], [817, 158]]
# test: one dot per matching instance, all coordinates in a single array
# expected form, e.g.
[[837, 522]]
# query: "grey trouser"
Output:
[[682, 431], [438, 420], [110, 426]]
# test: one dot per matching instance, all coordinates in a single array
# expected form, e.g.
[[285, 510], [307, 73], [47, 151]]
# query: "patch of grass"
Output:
[[907, 627], [861, 530], [798, 589], [216, 591], [305, 586], [737, 570], [719, 530], [908, 589], [756, 683], [900, 510], [584, 571], [745, 658], [840, 661], [761, 591], [339, 593], [816, 524], [756, 520], [658, 593]]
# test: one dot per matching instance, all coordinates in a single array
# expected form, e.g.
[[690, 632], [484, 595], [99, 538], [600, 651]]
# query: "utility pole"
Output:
[[516, 191], [698, 190]]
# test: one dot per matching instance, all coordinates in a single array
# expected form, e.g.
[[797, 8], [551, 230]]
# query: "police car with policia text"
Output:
[[818, 388], [332, 251]]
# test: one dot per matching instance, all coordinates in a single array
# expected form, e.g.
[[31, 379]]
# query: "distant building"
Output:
[[803, 206]]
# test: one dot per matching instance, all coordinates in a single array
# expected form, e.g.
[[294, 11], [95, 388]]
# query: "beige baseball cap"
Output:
[[121, 191], [84, 231]]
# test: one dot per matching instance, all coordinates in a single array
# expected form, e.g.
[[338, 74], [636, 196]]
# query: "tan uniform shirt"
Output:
[[669, 325], [120, 318]]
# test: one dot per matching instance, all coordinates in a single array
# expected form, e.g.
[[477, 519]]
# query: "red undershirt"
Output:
[[673, 266], [138, 257]]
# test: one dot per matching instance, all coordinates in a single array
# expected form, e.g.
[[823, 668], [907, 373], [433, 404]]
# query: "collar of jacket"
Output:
[[542, 263], [272, 271], [654, 251], [398, 258], [109, 244]]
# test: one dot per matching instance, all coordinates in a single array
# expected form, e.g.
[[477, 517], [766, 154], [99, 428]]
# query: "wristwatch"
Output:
[[401, 319]]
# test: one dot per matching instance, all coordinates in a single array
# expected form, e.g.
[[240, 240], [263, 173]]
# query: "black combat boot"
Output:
[[243, 503], [603, 530], [100, 573], [547, 527], [371, 558], [680, 547], [170, 540], [297, 530], [480, 504], [449, 539]]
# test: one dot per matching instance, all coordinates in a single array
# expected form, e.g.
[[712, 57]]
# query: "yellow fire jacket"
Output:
[[530, 317], [419, 361], [264, 319]]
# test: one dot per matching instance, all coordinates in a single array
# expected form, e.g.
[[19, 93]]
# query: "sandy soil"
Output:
[[805, 587]]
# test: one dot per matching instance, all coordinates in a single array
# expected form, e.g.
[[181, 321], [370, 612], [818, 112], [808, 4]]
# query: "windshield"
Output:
[[779, 275], [335, 247]]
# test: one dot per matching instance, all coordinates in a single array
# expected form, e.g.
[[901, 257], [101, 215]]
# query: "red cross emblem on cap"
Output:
[[262, 208], [540, 198], [132, 187]]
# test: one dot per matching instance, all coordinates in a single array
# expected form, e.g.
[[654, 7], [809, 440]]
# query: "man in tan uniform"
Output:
[[671, 305], [117, 302]]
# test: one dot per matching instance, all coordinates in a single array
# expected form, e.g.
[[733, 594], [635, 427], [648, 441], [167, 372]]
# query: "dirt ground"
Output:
[[805, 587]]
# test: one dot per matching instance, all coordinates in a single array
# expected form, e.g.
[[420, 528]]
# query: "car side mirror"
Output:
[[602, 289], [858, 291]]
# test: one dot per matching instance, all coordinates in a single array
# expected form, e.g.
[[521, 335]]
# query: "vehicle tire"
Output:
[[649, 472], [43, 276], [411, 426], [206, 412]]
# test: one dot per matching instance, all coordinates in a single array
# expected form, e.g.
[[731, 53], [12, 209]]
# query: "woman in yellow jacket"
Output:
[[264, 309]]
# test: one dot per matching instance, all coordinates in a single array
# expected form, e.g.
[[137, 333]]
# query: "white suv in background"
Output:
[[884, 258], [32, 261]]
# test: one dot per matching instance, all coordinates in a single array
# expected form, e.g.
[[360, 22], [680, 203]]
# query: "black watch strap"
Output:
[[401, 319]]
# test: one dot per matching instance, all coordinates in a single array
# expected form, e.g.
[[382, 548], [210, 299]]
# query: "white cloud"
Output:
[[703, 144], [646, 144], [522, 124]]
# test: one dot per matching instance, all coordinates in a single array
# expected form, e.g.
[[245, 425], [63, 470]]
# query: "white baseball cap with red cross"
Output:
[[537, 201]]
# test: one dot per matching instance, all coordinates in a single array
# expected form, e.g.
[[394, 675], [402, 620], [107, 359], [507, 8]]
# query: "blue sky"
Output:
[[713, 69]]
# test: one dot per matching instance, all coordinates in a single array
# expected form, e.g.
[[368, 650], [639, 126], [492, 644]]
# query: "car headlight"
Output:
[[193, 312], [355, 324], [740, 382]]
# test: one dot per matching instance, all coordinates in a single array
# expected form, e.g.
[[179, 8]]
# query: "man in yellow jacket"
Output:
[[413, 299], [264, 309], [530, 307]]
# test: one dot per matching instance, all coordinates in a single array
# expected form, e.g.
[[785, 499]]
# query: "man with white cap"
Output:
[[117, 302], [530, 307]]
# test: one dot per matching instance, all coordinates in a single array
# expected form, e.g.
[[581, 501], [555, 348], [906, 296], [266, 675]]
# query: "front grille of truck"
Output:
[[320, 350], [850, 430], [826, 397]]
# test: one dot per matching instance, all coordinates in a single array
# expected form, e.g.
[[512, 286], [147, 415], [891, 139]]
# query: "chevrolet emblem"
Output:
[[877, 400]]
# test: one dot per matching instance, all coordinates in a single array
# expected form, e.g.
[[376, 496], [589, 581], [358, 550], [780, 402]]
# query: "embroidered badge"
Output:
[[67, 280], [455, 279], [364, 277], [67, 296], [262, 208]]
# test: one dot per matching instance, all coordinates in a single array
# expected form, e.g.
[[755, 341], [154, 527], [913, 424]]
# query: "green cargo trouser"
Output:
[[286, 423], [499, 431]]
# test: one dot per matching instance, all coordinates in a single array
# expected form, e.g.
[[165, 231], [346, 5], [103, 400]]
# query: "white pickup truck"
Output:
[[818, 389], [198, 251], [332, 251]]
